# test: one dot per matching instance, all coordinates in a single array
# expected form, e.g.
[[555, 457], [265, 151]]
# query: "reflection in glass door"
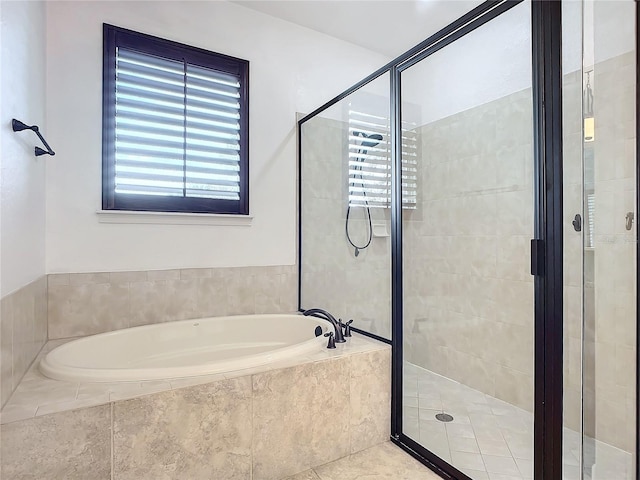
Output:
[[468, 291], [599, 72]]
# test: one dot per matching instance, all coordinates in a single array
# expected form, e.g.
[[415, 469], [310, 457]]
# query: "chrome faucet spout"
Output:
[[318, 312]]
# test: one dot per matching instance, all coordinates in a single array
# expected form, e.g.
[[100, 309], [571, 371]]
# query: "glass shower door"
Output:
[[345, 259], [600, 260], [468, 291]]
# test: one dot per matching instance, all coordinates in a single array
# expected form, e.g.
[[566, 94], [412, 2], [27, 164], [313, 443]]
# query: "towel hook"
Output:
[[18, 126]]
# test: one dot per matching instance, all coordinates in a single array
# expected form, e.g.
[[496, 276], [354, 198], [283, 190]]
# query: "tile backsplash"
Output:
[[89, 303], [77, 304]]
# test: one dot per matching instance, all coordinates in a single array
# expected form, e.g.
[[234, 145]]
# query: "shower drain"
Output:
[[444, 417]]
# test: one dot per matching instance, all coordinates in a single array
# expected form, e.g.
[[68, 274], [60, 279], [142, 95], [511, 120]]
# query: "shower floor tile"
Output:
[[489, 438]]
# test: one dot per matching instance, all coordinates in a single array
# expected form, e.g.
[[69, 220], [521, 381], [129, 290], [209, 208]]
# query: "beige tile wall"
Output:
[[89, 303], [611, 340], [468, 292], [169, 435], [23, 324], [263, 427], [600, 368], [333, 278], [72, 445], [573, 253]]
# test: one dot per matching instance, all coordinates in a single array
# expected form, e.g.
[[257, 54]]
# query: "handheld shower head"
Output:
[[368, 141]]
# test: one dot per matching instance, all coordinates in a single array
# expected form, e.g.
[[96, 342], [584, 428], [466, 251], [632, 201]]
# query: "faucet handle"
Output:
[[347, 328], [339, 334], [332, 342]]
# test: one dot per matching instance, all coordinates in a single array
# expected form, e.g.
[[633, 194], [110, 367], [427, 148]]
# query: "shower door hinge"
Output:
[[537, 257]]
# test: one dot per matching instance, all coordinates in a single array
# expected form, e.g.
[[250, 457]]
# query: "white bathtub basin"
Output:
[[184, 349]]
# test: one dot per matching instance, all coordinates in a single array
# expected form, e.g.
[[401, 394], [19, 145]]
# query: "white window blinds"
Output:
[[370, 162], [177, 128]]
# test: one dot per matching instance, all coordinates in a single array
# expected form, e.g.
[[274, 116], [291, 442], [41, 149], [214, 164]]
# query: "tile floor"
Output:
[[381, 462], [488, 438]]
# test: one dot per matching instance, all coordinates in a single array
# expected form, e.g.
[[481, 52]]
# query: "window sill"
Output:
[[172, 218]]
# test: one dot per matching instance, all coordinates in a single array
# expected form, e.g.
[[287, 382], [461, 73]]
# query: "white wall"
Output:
[[487, 64], [480, 67], [22, 175], [292, 69]]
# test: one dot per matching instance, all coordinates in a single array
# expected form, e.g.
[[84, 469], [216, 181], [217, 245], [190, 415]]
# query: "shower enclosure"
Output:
[[474, 204]]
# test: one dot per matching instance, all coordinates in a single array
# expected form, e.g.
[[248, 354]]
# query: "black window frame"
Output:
[[114, 37]]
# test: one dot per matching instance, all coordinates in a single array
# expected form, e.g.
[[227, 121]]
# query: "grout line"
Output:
[[446, 432], [129, 309], [350, 363], [112, 440], [475, 437], [252, 456]]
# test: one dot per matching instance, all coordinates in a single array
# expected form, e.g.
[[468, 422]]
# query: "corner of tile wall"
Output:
[[23, 333], [370, 399], [88, 303]]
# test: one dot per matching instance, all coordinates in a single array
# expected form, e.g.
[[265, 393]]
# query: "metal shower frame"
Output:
[[546, 247]]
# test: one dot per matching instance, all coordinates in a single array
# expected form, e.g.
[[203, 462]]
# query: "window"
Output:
[[370, 161], [175, 127]]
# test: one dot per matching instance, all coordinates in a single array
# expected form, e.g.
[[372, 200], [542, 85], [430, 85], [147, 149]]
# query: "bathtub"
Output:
[[185, 348]]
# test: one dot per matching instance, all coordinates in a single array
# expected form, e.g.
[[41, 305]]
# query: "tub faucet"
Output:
[[318, 312]]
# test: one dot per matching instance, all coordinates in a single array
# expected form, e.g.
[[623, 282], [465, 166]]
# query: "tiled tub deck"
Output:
[[264, 423]]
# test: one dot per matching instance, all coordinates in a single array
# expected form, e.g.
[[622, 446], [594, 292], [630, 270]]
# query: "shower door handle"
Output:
[[537, 257]]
